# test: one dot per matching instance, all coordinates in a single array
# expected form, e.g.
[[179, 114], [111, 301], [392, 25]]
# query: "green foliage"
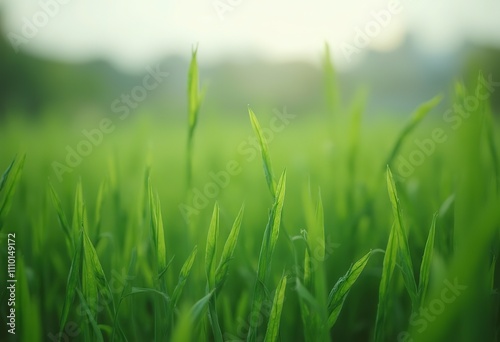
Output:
[[114, 260], [8, 184]]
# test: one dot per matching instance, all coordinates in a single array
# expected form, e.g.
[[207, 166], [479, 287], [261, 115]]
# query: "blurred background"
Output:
[[76, 57]]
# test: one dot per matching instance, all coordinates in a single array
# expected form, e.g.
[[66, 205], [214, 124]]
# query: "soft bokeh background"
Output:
[[268, 52]]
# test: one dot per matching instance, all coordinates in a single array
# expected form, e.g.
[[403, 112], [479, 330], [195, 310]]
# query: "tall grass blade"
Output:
[[94, 283], [403, 249], [72, 282], [97, 335], [265, 257], [228, 251], [266, 159], [8, 185], [425, 267], [418, 115], [341, 289], [157, 233], [195, 97], [211, 247], [183, 276], [61, 216], [384, 292], [275, 317]]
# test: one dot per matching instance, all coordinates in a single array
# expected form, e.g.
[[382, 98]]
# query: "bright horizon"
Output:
[[132, 33]]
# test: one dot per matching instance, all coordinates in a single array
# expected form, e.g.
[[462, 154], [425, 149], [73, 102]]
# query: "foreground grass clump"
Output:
[[341, 246]]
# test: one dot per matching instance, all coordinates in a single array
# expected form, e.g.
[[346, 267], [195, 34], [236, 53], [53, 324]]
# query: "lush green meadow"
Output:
[[276, 225]]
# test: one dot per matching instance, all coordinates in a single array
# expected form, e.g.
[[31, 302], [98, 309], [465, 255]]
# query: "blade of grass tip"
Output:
[[160, 235], [183, 276], [61, 216], [228, 251], [265, 257], [6, 173], [199, 307], [8, 184], [425, 267], [404, 250], [211, 247], [341, 289], [418, 115], [276, 309], [266, 159], [388, 266], [331, 88], [193, 91], [72, 282], [194, 104]]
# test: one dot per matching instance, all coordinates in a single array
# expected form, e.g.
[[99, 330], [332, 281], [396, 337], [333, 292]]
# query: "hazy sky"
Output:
[[132, 33]]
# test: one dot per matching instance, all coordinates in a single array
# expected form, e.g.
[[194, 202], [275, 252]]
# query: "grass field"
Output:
[[280, 226]]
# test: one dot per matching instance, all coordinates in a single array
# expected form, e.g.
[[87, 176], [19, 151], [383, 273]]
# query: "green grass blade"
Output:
[[161, 250], [228, 251], [157, 233], [384, 292], [97, 335], [417, 116], [194, 103], [183, 276], [61, 216], [266, 159], [403, 250], [94, 283], [425, 267], [341, 289], [199, 307], [277, 210], [275, 317], [98, 208], [266, 252], [6, 173], [8, 185], [194, 97], [211, 247], [308, 298], [78, 217], [72, 282], [138, 290]]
